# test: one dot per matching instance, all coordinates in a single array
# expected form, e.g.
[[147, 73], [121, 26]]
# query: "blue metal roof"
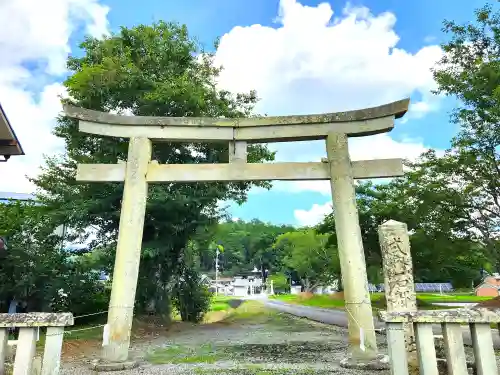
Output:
[[7, 197], [4, 195], [419, 287]]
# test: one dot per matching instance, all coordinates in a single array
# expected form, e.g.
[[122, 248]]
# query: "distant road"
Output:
[[339, 318]]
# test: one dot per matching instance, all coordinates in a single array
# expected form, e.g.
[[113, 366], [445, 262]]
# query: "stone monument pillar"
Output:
[[398, 272]]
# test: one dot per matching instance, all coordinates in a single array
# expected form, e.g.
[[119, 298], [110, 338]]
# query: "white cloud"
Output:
[[312, 216], [34, 45], [430, 39], [313, 62]]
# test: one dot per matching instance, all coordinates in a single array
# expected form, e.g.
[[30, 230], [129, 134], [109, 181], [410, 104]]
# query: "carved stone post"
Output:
[[398, 272]]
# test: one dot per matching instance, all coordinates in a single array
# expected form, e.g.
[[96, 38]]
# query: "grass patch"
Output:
[[221, 303], [182, 354], [293, 352], [255, 313], [88, 332], [249, 310], [259, 370], [451, 298], [424, 300], [287, 352], [219, 306], [83, 332]]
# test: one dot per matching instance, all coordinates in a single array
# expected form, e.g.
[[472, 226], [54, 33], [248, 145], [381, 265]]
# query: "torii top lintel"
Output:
[[361, 122]]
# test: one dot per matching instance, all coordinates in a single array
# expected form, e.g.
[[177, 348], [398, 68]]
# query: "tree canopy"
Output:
[[156, 70], [307, 253]]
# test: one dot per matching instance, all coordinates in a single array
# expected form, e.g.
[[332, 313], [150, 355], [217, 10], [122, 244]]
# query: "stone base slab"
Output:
[[381, 362], [113, 366]]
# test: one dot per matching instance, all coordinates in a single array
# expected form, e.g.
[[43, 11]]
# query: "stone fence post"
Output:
[[398, 272], [29, 324]]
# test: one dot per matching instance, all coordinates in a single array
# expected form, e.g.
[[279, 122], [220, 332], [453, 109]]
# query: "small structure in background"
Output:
[[9, 144], [489, 287], [327, 289], [295, 289], [248, 284], [242, 285], [224, 285]]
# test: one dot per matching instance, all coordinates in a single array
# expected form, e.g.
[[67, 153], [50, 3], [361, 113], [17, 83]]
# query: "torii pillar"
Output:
[[139, 170], [362, 340]]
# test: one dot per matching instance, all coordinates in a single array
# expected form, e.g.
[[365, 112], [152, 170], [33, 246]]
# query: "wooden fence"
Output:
[[29, 325], [453, 324]]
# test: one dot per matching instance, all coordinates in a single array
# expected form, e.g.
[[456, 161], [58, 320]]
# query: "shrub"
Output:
[[191, 297]]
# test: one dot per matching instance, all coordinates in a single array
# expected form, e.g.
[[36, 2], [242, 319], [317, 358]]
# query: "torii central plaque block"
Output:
[[139, 170]]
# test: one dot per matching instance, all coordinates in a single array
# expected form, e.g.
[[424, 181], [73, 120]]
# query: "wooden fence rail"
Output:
[[28, 325], [452, 323]]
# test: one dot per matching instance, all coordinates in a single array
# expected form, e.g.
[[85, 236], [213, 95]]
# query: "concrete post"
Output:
[[398, 273], [362, 340], [128, 252]]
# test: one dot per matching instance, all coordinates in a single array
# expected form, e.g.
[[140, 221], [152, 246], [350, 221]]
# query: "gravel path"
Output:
[[274, 342], [277, 344]]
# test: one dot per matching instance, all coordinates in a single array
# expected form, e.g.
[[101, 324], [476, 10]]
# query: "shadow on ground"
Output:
[[235, 303]]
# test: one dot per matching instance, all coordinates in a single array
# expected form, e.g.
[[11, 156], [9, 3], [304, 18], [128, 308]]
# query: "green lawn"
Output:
[[220, 303], [424, 300], [181, 354], [322, 300], [430, 297]]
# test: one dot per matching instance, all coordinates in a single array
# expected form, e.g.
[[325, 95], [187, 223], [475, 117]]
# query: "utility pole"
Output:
[[217, 271]]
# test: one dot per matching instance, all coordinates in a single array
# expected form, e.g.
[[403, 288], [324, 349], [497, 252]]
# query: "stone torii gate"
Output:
[[139, 170]]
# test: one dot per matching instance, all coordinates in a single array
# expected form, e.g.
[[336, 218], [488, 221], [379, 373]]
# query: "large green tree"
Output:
[[156, 70], [246, 245], [310, 256], [469, 173]]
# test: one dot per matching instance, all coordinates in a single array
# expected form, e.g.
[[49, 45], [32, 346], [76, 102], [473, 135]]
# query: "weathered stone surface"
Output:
[[398, 273], [241, 171], [381, 362], [398, 109], [113, 366], [11, 351], [128, 252], [362, 340], [442, 316], [36, 320], [398, 268]]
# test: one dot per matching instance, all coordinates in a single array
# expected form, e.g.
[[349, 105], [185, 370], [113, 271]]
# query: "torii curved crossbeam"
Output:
[[361, 122]]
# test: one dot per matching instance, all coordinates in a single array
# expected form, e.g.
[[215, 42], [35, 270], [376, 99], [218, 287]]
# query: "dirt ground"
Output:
[[249, 341]]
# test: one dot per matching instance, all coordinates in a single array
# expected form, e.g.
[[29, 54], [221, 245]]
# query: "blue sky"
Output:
[[306, 65]]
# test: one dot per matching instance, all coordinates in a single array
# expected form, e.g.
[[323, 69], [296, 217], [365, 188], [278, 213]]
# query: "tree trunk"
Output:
[[308, 288]]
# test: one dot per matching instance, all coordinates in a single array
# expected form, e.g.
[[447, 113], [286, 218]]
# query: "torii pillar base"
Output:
[[100, 365], [381, 362]]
